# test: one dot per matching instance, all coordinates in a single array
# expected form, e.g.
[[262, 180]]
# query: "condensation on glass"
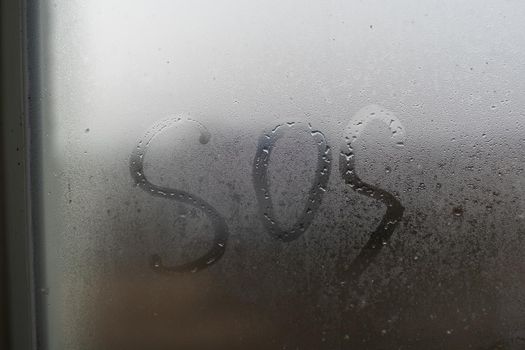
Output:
[[281, 174]]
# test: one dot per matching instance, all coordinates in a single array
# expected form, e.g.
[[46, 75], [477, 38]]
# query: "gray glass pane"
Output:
[[280, 174]]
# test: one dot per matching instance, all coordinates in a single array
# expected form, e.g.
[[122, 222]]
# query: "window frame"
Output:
[[17, 296]]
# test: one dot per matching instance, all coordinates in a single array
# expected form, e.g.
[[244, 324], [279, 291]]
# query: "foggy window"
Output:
[[280, 174]]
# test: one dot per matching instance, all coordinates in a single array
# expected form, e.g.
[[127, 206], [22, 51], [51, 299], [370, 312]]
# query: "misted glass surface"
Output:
[[280, 174]]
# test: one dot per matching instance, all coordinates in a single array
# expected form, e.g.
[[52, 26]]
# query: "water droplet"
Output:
[[457, 211]]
